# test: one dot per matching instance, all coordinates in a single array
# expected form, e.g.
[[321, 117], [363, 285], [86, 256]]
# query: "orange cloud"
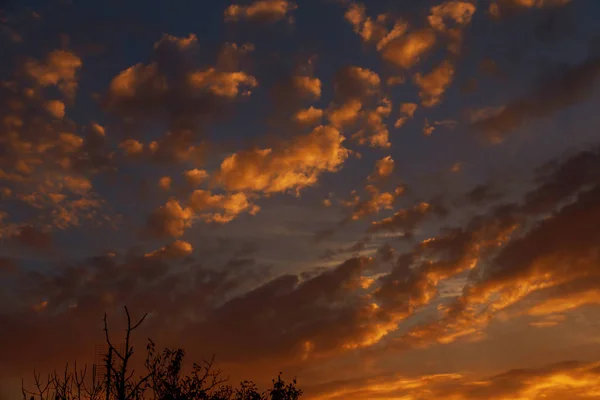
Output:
[[58, 69], [195, 176], [407, 111], [56, 108], [132, 147], [225, 84], [174, 250], [309, 116], [459, 12], [346, 114], [170, 220], [383, 168], [290, 167], [406, 51], [356, 83], [572, 380], [260, 10], [377, 201], [203, 203], [374, 30], [433, 85]]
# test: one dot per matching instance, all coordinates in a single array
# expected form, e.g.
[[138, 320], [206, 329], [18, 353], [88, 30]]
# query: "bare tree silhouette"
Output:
[[163, 378]]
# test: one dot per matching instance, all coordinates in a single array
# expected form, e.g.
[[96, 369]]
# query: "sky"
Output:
[[385, 199]]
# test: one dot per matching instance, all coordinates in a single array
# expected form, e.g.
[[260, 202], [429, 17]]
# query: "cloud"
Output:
[[165, 182], [405, 52], [56, 108], [292, 167], [187, 95], [383, 168], [407, 111], [132, 147], [573, 380], [376, 30], [175, 250], [268, 11], [309, 116], [458, 12], [58, 69], [220, 208], [195, 176], [433, 85], [406, 220], [334, 317], [296, 90], [169, 220], [565, 88], [550, 259], [376, 202], [346, 114], [356, 83]]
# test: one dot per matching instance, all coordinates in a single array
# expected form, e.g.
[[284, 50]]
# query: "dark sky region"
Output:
[[387, 199]]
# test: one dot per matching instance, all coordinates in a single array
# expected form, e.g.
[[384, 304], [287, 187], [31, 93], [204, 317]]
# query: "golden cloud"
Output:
[[383, 168], [309, 116], [459, 12], [260, 10], [174, 250], [406, 51], [433, 85], [290, 167]]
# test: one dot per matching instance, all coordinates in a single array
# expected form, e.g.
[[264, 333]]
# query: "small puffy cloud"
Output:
[[132, 147], [98, 129], [457, 12], [296, 90], [291, 167], [77, 185], [374, 132], [165, 182], [383, 168], [175, 250], [56, 108], [58, 69], [346, 114], [307, 86], [224, 84], [195, 176], [356, 83], [220, 208], [407, 111], [308, 116], [356, 15], [260, 11], [433, 85], [375, 202], [406, 51], [169, 220], [428, 129], [374, 30]]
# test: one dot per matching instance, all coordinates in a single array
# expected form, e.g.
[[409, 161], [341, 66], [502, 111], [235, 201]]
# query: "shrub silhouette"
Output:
[[163, 378]]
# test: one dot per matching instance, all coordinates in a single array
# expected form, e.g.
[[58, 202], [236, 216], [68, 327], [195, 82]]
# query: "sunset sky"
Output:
[[387, 199]]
